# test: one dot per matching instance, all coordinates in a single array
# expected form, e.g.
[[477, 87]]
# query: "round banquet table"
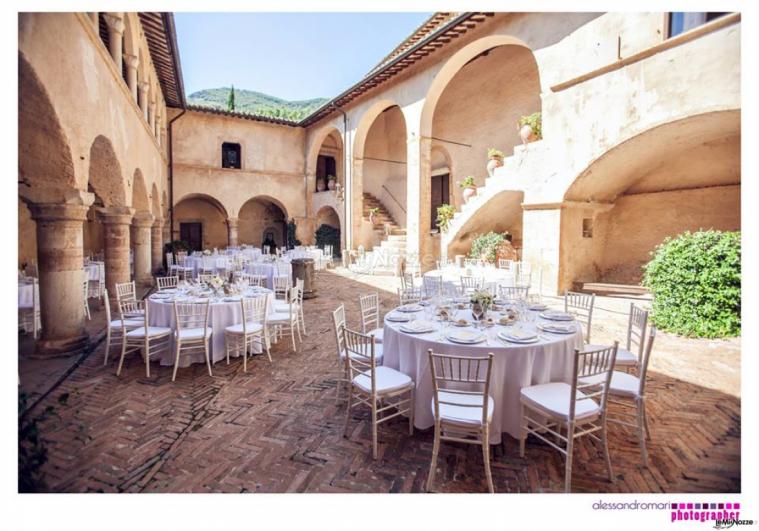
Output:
[[492, 277], [221, 315], [514, 365], [218, 262], [268, 269]]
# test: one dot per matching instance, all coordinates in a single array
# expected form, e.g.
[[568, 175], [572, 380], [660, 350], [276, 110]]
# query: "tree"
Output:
[[231, 99]]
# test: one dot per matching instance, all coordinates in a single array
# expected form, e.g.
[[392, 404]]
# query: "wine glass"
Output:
[[477, 311]]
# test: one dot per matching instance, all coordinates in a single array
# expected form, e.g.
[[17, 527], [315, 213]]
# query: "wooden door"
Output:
[[439, 195], [192, 233]]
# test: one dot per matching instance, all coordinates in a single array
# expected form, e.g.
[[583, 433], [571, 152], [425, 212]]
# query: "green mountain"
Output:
[[255, 103]]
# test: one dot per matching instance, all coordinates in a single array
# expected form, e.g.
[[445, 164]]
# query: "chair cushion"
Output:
[[387, 379], [153, 331], [464, 415], [194, 333], [622, 383], [130, 323], [377, 355], [284, 307], [377, 333], [624, 356], [252, 328], [554, 398], [279, 318]]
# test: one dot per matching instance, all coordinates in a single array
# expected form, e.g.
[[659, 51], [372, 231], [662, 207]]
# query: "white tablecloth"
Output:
[[222, 315], [514, 366], [270, 270], [491, 276], [315, 254], [217, 262]]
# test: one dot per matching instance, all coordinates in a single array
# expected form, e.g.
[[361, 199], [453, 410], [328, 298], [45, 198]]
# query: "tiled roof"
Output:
[[242, 114]]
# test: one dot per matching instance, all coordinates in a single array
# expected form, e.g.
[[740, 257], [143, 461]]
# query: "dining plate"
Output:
[[557, 328], [466, 337], [557, 316], [397, 318], [537, 307], [417, 327], [409, 308], [518, 336], [161, 296]]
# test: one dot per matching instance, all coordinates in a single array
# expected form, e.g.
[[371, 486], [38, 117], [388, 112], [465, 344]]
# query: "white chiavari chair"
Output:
[[580, 305], [461, 405], [409, 296], [126, 291], [379, 387], [288, 321], [513, 293], [471, 262], [281, 286], [407, 279], [181, 270], [433, 285], [192, 334], [370, 316], [470, 284], [241, 337], [97, 286], [577, 409], [164, 283], [283, 306], [115, 327], [505, 264], [29, 317], [149, 340], [206, 279], [258, 271], [632, 354], [86, 293]]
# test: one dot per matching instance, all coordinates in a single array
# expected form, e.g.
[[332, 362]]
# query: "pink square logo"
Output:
[[690, 506]]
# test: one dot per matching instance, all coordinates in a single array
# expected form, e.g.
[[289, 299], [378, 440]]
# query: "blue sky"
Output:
[[293, 56]]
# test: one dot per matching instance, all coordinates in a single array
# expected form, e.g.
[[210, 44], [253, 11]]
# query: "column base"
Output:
[[54, 348]]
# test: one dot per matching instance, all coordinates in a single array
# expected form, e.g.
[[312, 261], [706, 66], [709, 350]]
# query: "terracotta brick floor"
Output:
[[278, 429]]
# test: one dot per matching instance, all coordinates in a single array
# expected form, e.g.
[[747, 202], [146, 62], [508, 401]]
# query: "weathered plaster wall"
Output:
[[257, 217], [202, 211], [27, 241]]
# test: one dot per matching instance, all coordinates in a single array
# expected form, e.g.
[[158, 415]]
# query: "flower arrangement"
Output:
[[206, 252], [445, 214], [482, 298], [535, 121], [217, 283], [494, 153]]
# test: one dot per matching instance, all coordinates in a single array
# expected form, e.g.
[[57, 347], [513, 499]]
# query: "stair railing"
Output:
[[393, 198]]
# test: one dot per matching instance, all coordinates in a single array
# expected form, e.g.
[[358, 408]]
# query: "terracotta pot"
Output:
[[526, 134], [331, 184], [320, 185], [468, 193], [493, 163]]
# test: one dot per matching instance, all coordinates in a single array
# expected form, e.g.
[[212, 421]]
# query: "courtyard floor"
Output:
[[278, 428]]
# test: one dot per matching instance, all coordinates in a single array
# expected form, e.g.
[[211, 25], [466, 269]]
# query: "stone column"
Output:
[[142, 224], [418, 241], [143, 88], [116, 224], [156, 245], [232, 225], [61, 275], [167, 236], [115, 38], [131, 63], [151, 116]]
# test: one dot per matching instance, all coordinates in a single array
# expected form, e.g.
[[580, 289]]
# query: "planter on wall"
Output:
[[493, 163], [331, 184], [527, 134], [468, 193], [320, 185]]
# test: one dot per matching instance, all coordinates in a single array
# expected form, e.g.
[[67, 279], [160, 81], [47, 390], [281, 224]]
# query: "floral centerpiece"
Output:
[[216, 283], [481, 301], [206, 252]]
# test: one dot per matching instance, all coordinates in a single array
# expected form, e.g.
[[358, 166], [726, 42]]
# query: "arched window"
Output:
[[231, 155]]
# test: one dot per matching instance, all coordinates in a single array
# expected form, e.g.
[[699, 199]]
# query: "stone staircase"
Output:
[[392, 238]]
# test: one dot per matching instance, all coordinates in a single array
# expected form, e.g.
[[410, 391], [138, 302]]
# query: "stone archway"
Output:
[[678, 176], [203, 212], [261, 216]]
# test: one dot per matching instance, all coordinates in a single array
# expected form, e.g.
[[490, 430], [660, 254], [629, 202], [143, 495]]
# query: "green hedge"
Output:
[[328, 235], [695, 279]]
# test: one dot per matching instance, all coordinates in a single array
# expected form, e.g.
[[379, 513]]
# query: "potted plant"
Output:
[[373, 214], [468, 187], [444, 216], [320, 185], [495, 160], [531, 127], [331, 182]]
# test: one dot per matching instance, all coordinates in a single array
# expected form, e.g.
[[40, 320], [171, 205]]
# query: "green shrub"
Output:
[[445, 214], [487, 245], [292, 228], [328, 235], [695, 279]]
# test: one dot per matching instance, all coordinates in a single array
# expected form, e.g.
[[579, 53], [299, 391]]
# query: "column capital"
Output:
[[143, 220], [115, 23], [116, 215], [233, 223], [158, 223], [59, 212], [143, 87], [131, 60]]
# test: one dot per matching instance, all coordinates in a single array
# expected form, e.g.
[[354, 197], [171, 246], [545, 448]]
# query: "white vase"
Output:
[[331, 184], [468, 193], [494, 163], [526, 133]]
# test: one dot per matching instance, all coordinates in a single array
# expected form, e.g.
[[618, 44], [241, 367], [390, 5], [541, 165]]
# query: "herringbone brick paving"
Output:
[[277, 428]]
